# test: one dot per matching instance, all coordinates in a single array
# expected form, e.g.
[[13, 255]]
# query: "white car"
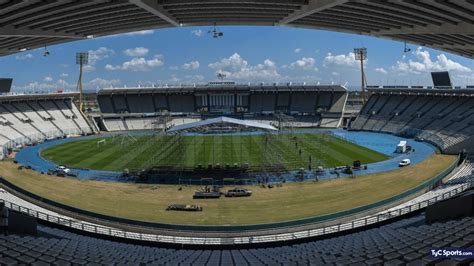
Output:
[[404, 162], [63, 169], [239, 192]]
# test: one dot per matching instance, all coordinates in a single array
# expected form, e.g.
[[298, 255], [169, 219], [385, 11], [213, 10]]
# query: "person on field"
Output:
[[4, 219]]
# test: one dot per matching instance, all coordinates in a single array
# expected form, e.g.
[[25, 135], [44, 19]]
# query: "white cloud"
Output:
[[100, 54], [64, 75], [141, 32], [48, 79], [191, 65], [64, 85], [235, 67], [347, 60], [89, 68], [47, 85], [194, 78], [304, 63], [36, 86], [297, 50], [381, 70], [197, 33], [96, 56], [424, 63], [136, 52], [24, 57], [138, 64], [101, 83], [335, 73], [174, 79]]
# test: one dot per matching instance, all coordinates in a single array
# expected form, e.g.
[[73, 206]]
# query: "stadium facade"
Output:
[[311, 105]]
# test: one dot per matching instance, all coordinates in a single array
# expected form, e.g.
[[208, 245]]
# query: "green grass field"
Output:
[[290, 202], [291, 150]]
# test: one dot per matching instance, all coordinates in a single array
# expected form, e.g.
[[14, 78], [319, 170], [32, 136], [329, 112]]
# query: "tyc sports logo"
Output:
[[452, 253]]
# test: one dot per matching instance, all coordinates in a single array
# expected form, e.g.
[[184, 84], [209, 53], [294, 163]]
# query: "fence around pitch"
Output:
[[113, 232]]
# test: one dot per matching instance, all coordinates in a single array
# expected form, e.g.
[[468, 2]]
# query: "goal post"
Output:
[[101, 142]]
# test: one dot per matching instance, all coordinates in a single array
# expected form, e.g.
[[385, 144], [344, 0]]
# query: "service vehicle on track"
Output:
[[238, 192], [404, 162]]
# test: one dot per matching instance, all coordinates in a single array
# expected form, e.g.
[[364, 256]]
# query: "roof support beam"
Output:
[[453, 46], [157, 10], [11, 31], [312, 7], [460, 28]]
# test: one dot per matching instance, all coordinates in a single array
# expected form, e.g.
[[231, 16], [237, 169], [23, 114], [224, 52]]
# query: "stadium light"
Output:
[[361, 55], [216, 33], [46, 52], [82, 58]]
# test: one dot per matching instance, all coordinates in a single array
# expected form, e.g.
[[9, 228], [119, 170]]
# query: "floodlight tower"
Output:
[[82, 58], [361, 55]]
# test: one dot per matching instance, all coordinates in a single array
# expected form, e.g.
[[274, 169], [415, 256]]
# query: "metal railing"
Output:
[[354, 224]]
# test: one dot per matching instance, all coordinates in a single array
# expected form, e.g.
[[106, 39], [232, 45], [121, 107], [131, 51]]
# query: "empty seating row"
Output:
[[26, 120], [408, 241], [142, 123], [445, 119]]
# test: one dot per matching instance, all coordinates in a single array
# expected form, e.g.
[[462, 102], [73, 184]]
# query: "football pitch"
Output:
[[293, 151]]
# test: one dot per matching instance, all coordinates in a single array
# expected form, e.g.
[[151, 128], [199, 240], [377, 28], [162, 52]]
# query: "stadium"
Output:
[[225, 173]]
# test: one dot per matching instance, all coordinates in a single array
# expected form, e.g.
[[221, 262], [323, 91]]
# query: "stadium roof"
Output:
[[441, 24], [204, 124]]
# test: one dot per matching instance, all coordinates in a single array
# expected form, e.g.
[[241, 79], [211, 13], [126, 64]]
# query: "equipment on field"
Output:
[[124, 138], [401, 147], [356, 164], [208, 192], [102, 141], [182, 207]]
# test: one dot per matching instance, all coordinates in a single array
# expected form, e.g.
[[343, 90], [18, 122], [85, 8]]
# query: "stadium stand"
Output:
[[441, 117], [399, 243], [311, 106], [374, 239], [27, 119], [124, 122]]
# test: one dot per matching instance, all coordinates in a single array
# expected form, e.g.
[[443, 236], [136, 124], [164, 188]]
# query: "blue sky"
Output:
[[244, 54]]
